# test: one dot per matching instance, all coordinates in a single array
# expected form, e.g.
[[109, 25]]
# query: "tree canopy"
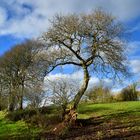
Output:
[[91, 41]]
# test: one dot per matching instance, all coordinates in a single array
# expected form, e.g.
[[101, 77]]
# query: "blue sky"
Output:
[[23, 19]]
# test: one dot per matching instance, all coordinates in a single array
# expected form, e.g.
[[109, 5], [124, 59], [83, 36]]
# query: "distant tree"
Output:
[[99, 94], [35, 95], [1, 89], [62, 91], [129, 93], [91, 42]]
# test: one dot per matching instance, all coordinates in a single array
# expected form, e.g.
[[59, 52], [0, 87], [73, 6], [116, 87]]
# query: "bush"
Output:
[[20, 114], [43, 121], [47, 109], [38, 120], [43, 117]]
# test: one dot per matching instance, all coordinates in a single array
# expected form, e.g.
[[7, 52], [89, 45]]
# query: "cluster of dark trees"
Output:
[[129, 93], [21, 79], [91, 42]]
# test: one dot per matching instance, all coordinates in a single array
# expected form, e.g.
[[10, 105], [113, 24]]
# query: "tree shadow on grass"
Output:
[[102, 118], [94, 127], [105, 123], [89, 110]]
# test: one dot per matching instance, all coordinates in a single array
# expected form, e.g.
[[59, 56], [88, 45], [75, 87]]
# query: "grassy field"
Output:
[[110, 109], [109, 121], [95, 121], [13, 130]]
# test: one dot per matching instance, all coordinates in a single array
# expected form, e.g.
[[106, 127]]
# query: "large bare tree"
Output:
[[92, 42]]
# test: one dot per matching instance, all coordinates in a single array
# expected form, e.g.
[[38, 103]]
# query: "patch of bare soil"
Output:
[[101, 128]]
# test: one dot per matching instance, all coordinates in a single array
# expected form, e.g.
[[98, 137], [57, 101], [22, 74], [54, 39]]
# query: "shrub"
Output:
[[43, 121], [38, 120], [47, 109], [20, 114]]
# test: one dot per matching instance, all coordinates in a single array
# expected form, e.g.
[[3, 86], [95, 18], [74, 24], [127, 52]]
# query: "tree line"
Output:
[[20, 75]]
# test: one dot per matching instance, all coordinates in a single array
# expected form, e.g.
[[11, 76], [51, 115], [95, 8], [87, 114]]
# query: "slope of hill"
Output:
[[95, 121]]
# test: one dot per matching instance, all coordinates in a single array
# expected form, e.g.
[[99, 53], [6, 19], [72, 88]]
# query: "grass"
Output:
[[89, 110], [13, 130], [119, 119]]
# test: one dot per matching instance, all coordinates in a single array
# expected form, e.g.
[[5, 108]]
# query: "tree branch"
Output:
[[78, 56], [61, 64]]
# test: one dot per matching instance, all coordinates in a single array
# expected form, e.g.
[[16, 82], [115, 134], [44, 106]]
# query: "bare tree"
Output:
[[99, 94], [35, 95], [90, 41], [62, 91]]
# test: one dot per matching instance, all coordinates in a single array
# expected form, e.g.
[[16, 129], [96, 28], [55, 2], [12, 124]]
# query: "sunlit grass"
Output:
[[122, 113], [92, 110], [9, 129]]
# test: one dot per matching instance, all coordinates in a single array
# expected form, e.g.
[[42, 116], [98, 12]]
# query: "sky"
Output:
[[25, 19]]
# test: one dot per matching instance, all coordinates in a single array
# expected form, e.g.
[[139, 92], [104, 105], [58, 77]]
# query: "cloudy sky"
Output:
[[23, 19]]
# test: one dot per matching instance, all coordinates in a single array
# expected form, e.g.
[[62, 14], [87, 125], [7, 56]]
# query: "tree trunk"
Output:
[[21, 97], [11, 103], [0, 98], [11, 106], [0, 102], [21, 103], [71, 115], [82, 89]]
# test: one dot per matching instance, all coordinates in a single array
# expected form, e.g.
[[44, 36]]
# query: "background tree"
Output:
[[129, 93], [62, 91], [99, 94], [35, 95], [19, 70]]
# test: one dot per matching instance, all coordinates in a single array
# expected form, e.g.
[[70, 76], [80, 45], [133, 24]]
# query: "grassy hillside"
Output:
[[109, 121], [108, 109], [95, 121], [13, 130]]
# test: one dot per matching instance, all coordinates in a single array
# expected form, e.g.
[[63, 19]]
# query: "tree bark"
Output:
[[11, 103], [0, 102], [1, 97], [11, 106], [21, 102], [82, 89], [21, 97]]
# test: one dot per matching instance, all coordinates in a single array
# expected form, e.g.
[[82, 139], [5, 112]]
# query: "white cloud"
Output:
[[135, 65], [78, 76], [133, 29], [32, 22], [134, 48], [3, 16]]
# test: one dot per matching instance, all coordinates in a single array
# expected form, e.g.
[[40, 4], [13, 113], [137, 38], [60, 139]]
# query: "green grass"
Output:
[[120, 113], [108, 109], [13, 130], [111, 120]]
